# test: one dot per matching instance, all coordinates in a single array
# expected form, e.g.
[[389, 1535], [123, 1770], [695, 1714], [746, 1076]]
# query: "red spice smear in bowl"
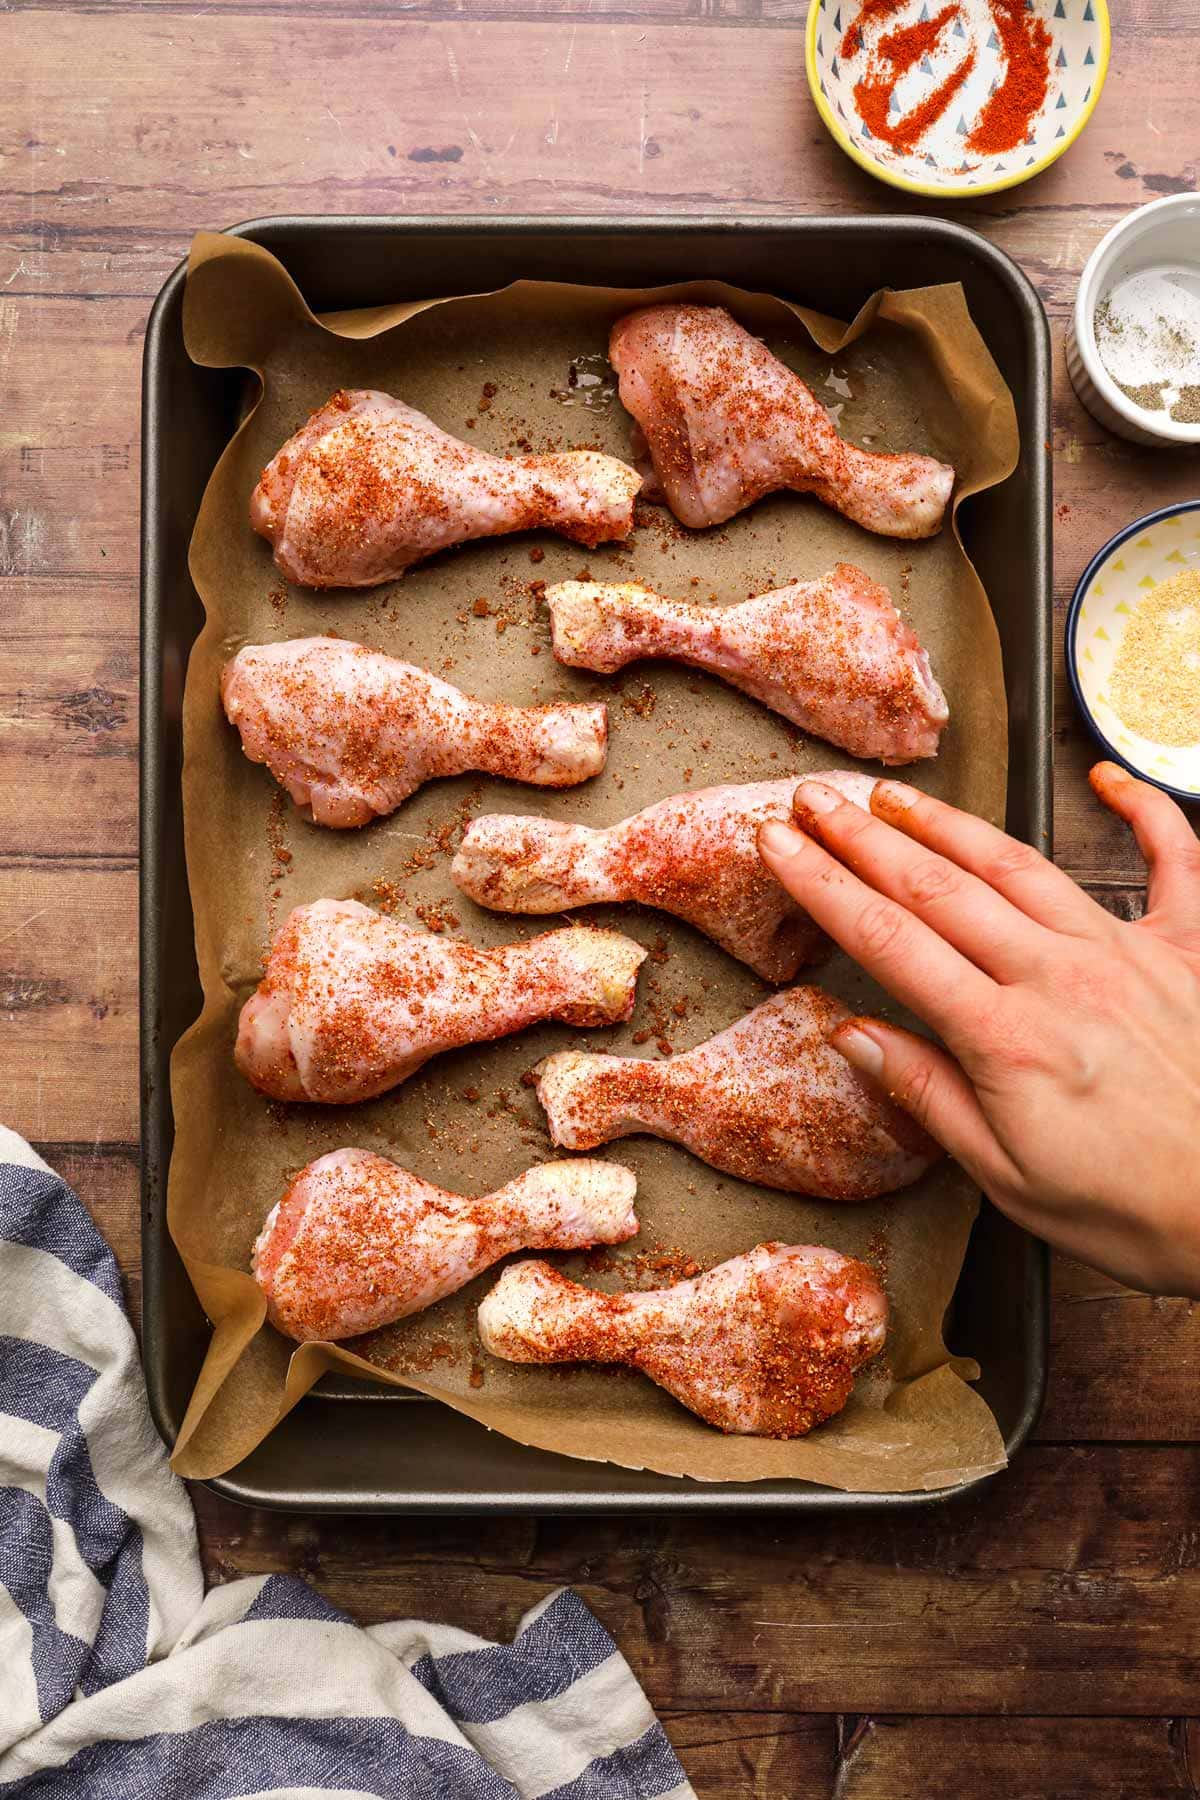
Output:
[[1005, 120], [871, 9], [1006, 116]]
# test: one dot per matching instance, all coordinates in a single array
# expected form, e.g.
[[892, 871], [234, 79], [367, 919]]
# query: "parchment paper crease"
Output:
[[911, 372]]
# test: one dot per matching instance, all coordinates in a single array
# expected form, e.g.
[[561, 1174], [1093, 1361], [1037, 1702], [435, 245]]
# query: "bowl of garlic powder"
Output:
[[1133, 647], [1133, 345]]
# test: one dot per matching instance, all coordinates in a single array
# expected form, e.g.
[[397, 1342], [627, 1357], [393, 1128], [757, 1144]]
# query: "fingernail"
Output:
[[894, 795], [777, 838], [815, 797], [858, 1048]]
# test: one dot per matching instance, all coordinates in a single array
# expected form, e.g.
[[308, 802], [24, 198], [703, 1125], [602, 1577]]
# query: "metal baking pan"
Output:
[[380, 1451]]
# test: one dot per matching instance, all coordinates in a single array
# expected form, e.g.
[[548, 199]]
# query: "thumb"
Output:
[[1168, 843], [931, 1087]]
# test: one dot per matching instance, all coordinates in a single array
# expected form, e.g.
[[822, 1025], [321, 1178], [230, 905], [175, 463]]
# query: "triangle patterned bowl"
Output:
[[964, 67]]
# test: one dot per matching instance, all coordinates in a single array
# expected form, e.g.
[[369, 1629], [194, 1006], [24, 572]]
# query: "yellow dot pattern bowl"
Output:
[[940, 164], [1131, 565]]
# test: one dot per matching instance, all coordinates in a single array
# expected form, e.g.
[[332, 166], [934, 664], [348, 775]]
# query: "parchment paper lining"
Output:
[[911, 372]]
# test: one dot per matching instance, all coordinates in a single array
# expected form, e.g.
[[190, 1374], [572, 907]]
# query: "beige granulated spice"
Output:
[[1155, 686]]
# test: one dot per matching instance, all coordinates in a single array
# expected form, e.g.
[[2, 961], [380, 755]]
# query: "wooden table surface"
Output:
[[1041, 1639]]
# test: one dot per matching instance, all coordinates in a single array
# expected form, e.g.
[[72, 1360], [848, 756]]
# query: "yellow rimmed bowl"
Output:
[[939, 165], [1129, 566]]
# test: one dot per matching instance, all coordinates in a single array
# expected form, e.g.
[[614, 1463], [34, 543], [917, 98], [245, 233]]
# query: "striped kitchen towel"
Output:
[[121, 1680]]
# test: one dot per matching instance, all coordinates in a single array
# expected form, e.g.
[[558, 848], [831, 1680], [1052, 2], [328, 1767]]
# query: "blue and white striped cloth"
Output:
[[121, 1680]]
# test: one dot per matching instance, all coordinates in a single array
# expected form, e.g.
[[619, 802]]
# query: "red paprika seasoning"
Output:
[[871, 9], [1006, 116], [906, 46], [893, 57], [1005, 120]]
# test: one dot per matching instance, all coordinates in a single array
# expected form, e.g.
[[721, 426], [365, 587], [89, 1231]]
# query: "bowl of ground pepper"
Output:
[[1133, 345], [958, 99], [1133, 647]]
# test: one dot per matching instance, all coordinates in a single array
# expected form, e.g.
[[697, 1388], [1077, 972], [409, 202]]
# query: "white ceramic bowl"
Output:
[[1166, 231], [939, 166], [1129, 565]]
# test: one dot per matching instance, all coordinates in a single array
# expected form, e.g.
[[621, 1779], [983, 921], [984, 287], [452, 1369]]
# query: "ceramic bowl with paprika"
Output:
[[956, 99]]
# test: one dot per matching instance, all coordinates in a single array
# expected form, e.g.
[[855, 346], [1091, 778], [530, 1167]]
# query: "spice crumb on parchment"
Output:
[[661, 1265], [280, 860], [387, 895], [442, 837]]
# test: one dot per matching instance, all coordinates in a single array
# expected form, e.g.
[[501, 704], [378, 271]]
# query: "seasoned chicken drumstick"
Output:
[[351, 733], [727, 423], [767, 1344], [356, 1241], [353, 1003], [767, 1100], [833, 656], [694, 855], [370, 486]]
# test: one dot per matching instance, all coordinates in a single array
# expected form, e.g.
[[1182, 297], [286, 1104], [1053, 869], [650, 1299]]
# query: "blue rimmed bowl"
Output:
[[1131, 564]]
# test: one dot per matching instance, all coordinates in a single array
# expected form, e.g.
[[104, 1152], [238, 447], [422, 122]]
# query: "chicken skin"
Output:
[[767, 1100], [693, 855], [350, 733], [353, 1002], [765, 1345], [726, 423], [357, 1242], [833, 656], [369, 486]]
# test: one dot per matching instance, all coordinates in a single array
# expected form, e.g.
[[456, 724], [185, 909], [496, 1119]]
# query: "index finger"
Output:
[[907, 957]]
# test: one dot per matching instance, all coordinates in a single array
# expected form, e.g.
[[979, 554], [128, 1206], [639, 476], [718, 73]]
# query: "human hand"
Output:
[[1070, 1086]]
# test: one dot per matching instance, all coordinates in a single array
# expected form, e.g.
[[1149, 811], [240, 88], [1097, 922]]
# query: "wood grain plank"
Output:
[[68, 1001], [68, 722], [93, 259], [1140, 16], [1123, 1365], [757, 1756], [1070, 1586], [69, 452], [548, 116], [749, 1756], [520, 12], [1023, 1759]]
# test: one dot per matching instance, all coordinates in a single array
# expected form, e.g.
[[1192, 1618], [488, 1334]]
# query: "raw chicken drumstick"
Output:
[[353, 1003], [833, 656], [767, 1099], [726, 422], [357, 1241], [370, 486], [694, 855], [351, 733], [767, 1344]]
